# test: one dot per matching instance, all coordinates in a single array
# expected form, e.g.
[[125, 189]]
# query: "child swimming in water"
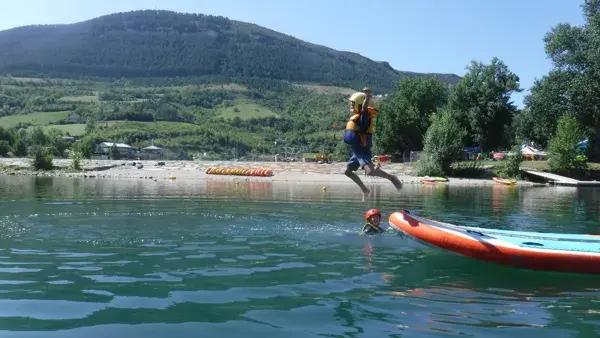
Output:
[[372, 227]]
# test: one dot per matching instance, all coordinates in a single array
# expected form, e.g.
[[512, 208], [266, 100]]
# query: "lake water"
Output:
[[114, 258]]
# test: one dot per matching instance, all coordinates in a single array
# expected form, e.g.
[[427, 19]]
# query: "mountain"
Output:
[[150, 43]]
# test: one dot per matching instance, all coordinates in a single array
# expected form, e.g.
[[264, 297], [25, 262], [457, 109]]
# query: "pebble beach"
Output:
[[307, 172]]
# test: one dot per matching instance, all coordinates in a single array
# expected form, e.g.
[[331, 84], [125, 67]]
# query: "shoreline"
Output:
[[305, 172]]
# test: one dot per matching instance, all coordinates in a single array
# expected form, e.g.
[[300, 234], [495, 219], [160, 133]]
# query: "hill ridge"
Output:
[[164, 43]]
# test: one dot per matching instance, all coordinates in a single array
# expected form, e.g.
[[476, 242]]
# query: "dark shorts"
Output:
[[360, 157]]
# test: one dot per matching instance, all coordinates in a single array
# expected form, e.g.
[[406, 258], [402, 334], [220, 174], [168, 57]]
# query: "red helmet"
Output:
[[372, 213]]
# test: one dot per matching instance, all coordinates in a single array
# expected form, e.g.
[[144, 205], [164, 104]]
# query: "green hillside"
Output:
[[152, 43], [187, 82], [221, 119]]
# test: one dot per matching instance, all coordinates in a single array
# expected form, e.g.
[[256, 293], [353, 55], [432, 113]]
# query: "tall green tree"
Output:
[[563, 145], [573, 85], [444, 142], [545, 104], [482, 105], [406, 115]]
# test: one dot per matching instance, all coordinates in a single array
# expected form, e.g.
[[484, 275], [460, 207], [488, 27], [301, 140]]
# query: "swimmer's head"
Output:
[[373, 216]]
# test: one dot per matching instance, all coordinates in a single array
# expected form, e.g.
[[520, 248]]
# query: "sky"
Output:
[[441, 36]]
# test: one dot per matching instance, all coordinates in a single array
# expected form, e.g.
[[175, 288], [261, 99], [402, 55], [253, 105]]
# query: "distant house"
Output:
[[151, 153], [124, 149], [153, 149]]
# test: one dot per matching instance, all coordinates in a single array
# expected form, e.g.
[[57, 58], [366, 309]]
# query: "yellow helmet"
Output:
[[357, 99]]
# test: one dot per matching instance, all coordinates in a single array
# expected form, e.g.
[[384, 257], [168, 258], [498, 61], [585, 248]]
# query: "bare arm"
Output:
[[365, 107]]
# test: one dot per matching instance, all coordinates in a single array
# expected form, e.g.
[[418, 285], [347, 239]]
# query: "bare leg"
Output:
[[365, 191], [370, 171]]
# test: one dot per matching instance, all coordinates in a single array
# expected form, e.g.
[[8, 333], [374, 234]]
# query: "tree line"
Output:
[[480, 104], [561, 110]]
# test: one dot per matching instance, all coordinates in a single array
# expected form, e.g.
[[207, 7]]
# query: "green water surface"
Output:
[[116, 258]]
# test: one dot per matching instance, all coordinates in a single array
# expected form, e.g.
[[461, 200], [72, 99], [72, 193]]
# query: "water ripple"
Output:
[[84, 260]]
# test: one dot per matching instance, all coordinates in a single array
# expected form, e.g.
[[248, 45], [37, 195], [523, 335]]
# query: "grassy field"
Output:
[[540, 165], [176, 100], [543, 165], [328, 89], [245, 110], [78, 129], [36, 119], [150, 126], [339, 134], [72, 129], [230, 87], [86, 98]]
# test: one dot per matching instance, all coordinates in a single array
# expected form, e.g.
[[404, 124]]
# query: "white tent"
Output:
[[529, 150]]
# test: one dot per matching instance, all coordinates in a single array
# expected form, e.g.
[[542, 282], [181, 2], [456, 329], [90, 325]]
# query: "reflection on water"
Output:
[[133, 258]]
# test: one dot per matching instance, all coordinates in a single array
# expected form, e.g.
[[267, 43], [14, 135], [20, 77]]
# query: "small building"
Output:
[[124, 149], [151, 153], [153, 149]]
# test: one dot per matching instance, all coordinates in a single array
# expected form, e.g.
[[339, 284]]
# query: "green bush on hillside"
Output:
[[76, 158], [4, 147], [42, 158]]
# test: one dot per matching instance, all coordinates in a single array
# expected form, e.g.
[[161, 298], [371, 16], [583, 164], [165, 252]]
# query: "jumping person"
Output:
[[359, 135]]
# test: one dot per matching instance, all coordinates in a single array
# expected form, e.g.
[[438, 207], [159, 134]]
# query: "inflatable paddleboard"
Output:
[[531, 250], [504, 180], [433, 179]]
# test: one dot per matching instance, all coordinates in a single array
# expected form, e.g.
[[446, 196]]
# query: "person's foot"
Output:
[[396, 181], [365, 194]]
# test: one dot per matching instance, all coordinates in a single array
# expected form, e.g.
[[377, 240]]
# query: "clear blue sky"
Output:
[[417, 35]]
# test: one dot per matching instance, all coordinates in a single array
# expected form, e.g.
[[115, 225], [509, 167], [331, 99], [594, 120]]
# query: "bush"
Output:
[[581, 161], [510, 168], [4, 147], [342, 152], [443, 144], [430, 166], [76, 157], [19, 148], [85, 146], [42, 158], [562, 148]]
